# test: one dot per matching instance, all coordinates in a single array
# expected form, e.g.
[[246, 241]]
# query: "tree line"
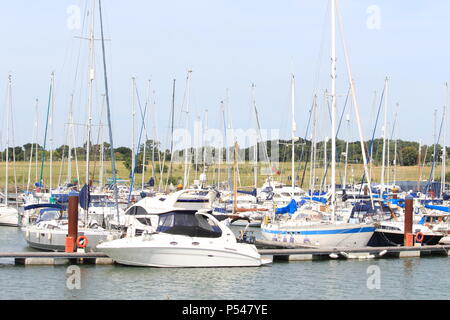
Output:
[[406, 152]]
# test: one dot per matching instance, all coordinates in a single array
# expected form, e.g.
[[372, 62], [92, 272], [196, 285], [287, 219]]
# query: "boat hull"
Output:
[[351, 236], [150, 254], [391, 238], [55, 240]]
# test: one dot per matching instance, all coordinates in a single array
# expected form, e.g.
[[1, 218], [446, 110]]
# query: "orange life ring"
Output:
[[82, 242], [419, 237]]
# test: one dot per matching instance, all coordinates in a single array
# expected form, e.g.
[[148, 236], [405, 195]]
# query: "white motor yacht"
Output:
[[9, 216], [171, 236]]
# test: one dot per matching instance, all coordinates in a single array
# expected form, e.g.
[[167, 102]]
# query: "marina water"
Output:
[[384, 279]]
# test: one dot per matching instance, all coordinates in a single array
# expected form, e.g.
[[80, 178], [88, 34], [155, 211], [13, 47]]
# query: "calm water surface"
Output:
[[408, 278]]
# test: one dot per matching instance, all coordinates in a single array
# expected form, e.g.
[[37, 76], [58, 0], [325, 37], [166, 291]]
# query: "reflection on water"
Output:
[[408, 278]]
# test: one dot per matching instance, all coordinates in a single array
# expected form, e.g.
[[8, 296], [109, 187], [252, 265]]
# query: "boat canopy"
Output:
[[253, 192], [45, 205], [290, 208]]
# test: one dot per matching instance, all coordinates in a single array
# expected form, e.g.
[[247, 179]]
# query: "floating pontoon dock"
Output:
[[277, 254]]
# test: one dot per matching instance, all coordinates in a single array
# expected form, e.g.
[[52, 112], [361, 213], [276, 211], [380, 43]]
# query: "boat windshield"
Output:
[[48, 214], [189, 224]]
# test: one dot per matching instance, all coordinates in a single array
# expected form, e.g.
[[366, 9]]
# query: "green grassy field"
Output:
[[354, 173]]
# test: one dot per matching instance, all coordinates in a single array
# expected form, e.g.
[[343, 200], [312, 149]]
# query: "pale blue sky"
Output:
[[228, 44]]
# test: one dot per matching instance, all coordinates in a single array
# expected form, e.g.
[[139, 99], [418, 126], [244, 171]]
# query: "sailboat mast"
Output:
[[71, 138], [435, 145], [45, 135], [444, 148], [227, 126], [312, 177], [333, 108], [419, 166], [383, 164], [102, 147], [186, 158], [222, 108], [7, 138], [255, 165], [32, 146], [235, 178], [395, 145], [205, 147], [51, 131], [294, 128], [90, 90], [36, 151], [171, 133], [133, 113], [255, 149], [145, 143]]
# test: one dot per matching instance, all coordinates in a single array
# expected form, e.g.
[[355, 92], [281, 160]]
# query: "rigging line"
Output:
[[172, 115], [355, 102], [134, 165], [100, 127], [266, 155], [373, 138], [339, 126], [79, 50], [337, 132], [113, 159], [321, 49], [434, 154], [45, 135], [156, 144], [304, 143]]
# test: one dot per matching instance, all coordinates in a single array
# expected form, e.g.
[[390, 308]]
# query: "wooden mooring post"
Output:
[[71, 239]]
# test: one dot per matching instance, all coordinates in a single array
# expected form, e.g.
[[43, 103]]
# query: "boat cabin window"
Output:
[[189, 224], [136, 210], [145, 221], [435, 219]]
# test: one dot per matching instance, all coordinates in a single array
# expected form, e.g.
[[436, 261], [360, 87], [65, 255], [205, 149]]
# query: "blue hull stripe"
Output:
[[322, 232]]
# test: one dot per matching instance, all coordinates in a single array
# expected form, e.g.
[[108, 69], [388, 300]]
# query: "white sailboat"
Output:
[[294, 227], [9, 216], [49, 231]]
